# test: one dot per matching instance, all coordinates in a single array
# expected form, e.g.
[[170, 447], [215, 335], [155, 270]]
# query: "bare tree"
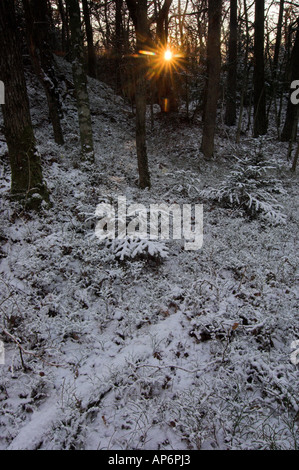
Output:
[[167, 98], [80, 81], [92, 58], [118, 43], [26, 172], [290, 125], [37, 27], [260, 117], [246, 69], [138, 12], [65, 32], [231, 87], [278, 37], [214, 66]]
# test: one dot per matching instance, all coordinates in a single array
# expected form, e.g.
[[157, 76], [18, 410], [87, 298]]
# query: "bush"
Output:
[[251, 187], [130, 248]]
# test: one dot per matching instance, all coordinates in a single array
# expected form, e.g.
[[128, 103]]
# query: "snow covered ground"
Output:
[[188, 352]]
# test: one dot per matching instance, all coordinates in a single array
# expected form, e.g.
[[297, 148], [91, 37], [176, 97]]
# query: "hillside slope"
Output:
[[187, 352]]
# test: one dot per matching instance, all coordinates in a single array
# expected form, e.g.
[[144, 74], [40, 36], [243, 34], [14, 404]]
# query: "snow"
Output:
[[190, 351]]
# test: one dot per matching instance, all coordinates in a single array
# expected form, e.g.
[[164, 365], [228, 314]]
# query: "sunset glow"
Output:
[[168, 55]]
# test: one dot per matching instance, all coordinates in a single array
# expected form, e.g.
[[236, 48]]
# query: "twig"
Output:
[[25, 351], [173, 366]]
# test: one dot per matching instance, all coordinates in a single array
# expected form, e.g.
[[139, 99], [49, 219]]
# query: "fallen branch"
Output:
[[173, 366], [30, 353]]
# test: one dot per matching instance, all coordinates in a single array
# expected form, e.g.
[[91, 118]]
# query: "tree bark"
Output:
[[80, 81], [231, 87], [26, 172], [214, 67], [260, 118]]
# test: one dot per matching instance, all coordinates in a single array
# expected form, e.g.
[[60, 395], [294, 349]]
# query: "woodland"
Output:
[[133, 342]]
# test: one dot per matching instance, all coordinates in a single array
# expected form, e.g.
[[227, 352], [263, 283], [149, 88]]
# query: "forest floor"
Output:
[[191, 351]]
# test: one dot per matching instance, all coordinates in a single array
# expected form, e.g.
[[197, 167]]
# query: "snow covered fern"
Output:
[[130, 248], [251, 187]]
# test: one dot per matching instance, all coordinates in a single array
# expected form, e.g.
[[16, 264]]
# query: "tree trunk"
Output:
[[37, 25], [278, 38], [65, 34], [167, 96], [260, 119], [246, 68], [214, 66], [118, 44], [140, 100], [231, 87], [162, 23], [80, 81], [26, 172], [290, 125], [138, 11], [142, 36], [92, 58]]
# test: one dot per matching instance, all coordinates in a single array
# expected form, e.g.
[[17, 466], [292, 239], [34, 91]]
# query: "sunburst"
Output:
[[162, 59]]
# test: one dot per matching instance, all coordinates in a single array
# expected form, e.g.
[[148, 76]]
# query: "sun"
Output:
[[168, 55], [163, 60]]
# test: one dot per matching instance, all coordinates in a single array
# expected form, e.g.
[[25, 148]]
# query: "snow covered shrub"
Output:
[[184, 183], [130, 248], [251, 187]]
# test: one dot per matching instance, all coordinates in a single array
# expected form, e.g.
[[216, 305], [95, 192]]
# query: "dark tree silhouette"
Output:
[[290, 125], [80, 81], [138, 12], [260, 118], [37, 27], [92, 58], [26, 172], [214, 66], [231, 87]]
